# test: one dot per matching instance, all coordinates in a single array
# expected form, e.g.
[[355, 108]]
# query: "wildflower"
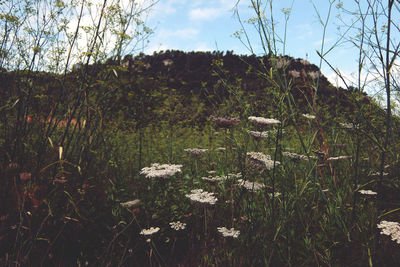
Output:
[[131, 204], [195, 151], [214, 179], [378, 174], [228, 232], [347, 125], [260, 160], [250, 186], [338, 158], [308, 116], [276, 194], [367, 192], [295, 156], [25, 176], [258, 135], [234, 175], [220, 149], [294, 73], [391, 229], [264, 121], [150, 231], [225, 122], [201, 196], [211, 172], [161, 170], [177, 225]]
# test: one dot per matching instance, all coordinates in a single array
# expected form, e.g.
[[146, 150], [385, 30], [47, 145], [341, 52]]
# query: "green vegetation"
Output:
[[193, 159]]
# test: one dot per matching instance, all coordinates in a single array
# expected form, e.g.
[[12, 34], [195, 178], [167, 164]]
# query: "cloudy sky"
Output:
[[208, 25]]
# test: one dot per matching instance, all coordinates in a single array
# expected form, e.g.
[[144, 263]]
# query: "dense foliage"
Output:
[[73, 146]]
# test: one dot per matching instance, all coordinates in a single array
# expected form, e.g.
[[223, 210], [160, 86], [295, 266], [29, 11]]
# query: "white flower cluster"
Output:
[[391, 229], [276, 194], [264, 121], [177, 225], [131, 204], [338, 158], [228, 232], [378, 174], [295, 156], [250, 186], [201, 196], [347, 125], [150, 231], [195, 151], [260, 160], [308, 116], [258, 135], [161, 170], [214, 179], [367, 192], [219, 178]]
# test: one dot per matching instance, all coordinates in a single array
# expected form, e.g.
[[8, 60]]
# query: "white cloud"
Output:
[[319, 42], [186, 33], [203, 47], [155, 48], [304, 31], [205, 13]]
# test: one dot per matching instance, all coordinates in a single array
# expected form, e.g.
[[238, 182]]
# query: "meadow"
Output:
[[193, 159]]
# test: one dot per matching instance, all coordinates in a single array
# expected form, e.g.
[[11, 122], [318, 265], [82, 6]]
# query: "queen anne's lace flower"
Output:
[[250, 186], [225, 122], [131, 204], [258, 135], [214, 179], [367, 192], [264, 121], [338, 158], [228, 232], [308, 116], [195, 151], [260, 160], [161, 170], [276, 194], [295, 156], [177, 225], [391, 229], [201, 196], [347, 125], [150, 231]]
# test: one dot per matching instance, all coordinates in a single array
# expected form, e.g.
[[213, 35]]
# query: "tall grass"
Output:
[[69, 168]]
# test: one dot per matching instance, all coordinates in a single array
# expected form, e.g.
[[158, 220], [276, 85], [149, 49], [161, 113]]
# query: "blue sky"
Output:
[[207, 25]]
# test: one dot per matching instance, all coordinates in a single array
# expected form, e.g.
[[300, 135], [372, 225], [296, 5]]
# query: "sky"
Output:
[[208, 25]]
